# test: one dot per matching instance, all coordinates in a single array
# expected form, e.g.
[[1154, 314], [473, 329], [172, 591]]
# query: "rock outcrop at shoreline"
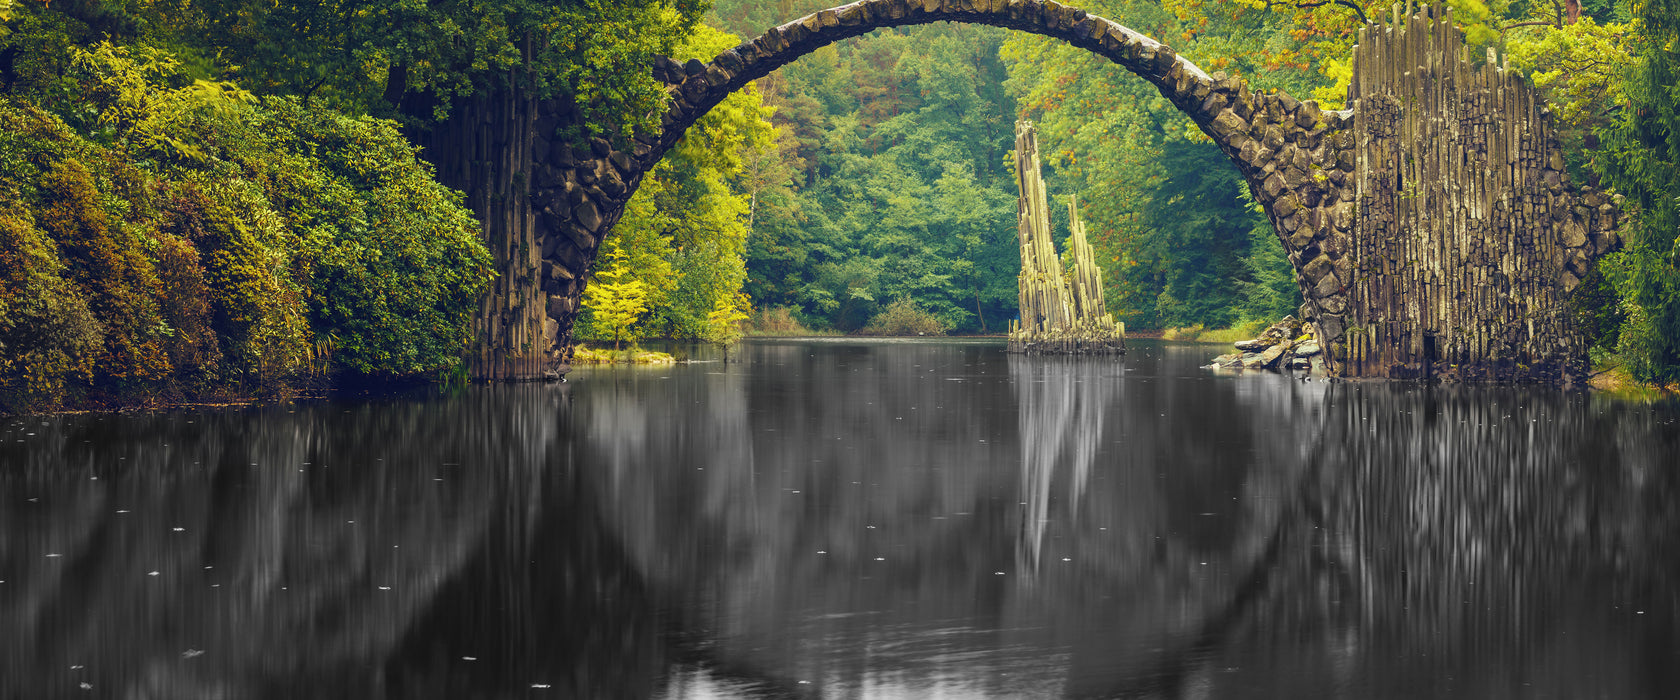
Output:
[[1287, 344]]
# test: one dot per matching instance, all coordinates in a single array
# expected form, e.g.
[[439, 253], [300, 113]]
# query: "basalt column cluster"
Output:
[[1059, 314], [1470, 237]]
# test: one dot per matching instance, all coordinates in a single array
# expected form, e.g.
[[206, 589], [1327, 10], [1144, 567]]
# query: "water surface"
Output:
[[841, 519]]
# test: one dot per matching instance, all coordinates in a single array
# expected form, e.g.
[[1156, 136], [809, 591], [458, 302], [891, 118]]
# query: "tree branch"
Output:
[[1344, 3], [1514, 25]]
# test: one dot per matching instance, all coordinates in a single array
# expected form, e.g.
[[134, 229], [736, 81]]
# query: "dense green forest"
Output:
[[205, 198]]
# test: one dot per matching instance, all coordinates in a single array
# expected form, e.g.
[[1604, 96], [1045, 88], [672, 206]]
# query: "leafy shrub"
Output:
[[904, 317], [256, 310], [389, 261], [48, 337], [196, 240], [777, 320], [108, 262], [399, 281]]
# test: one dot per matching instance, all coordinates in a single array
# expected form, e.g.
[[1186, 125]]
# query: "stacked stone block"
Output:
[[1471, 238]]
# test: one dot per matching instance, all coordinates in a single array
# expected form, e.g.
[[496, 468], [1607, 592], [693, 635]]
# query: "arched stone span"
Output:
[[1274, 140], [1403, 290]]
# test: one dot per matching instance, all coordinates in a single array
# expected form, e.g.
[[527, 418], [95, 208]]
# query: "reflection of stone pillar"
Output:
[[1062, 405]]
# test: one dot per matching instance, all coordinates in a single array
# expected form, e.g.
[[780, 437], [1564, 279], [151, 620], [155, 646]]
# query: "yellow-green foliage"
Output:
[[723, 322], [617, 300], [583, 355], [1579, 66], [684, 232]]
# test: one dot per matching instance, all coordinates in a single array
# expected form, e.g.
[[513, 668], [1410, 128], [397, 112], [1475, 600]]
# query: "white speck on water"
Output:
[[820, 551], [86, 685], [997, 573], [1067, 558], [384, 588], [151, 573], [190, 653], [54, 556], [178, 529], [880, 558], [469, 658], [539, 685]]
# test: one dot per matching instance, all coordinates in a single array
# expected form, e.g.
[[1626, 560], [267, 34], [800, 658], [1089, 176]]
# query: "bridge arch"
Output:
[[1399, 282], [1275, 141]]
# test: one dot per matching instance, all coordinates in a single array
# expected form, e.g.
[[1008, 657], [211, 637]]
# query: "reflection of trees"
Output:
[[844, 519], [292, 550], [1467, 542], [1517, 534]]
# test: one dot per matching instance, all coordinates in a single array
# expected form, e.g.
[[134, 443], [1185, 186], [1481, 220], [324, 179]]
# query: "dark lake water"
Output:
[[847, 520]]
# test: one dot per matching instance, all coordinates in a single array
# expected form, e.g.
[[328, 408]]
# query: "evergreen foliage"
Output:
[[1641, 159]]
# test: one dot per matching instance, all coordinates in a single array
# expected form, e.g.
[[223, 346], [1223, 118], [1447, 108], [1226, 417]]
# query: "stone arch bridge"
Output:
[[1432, 226]]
